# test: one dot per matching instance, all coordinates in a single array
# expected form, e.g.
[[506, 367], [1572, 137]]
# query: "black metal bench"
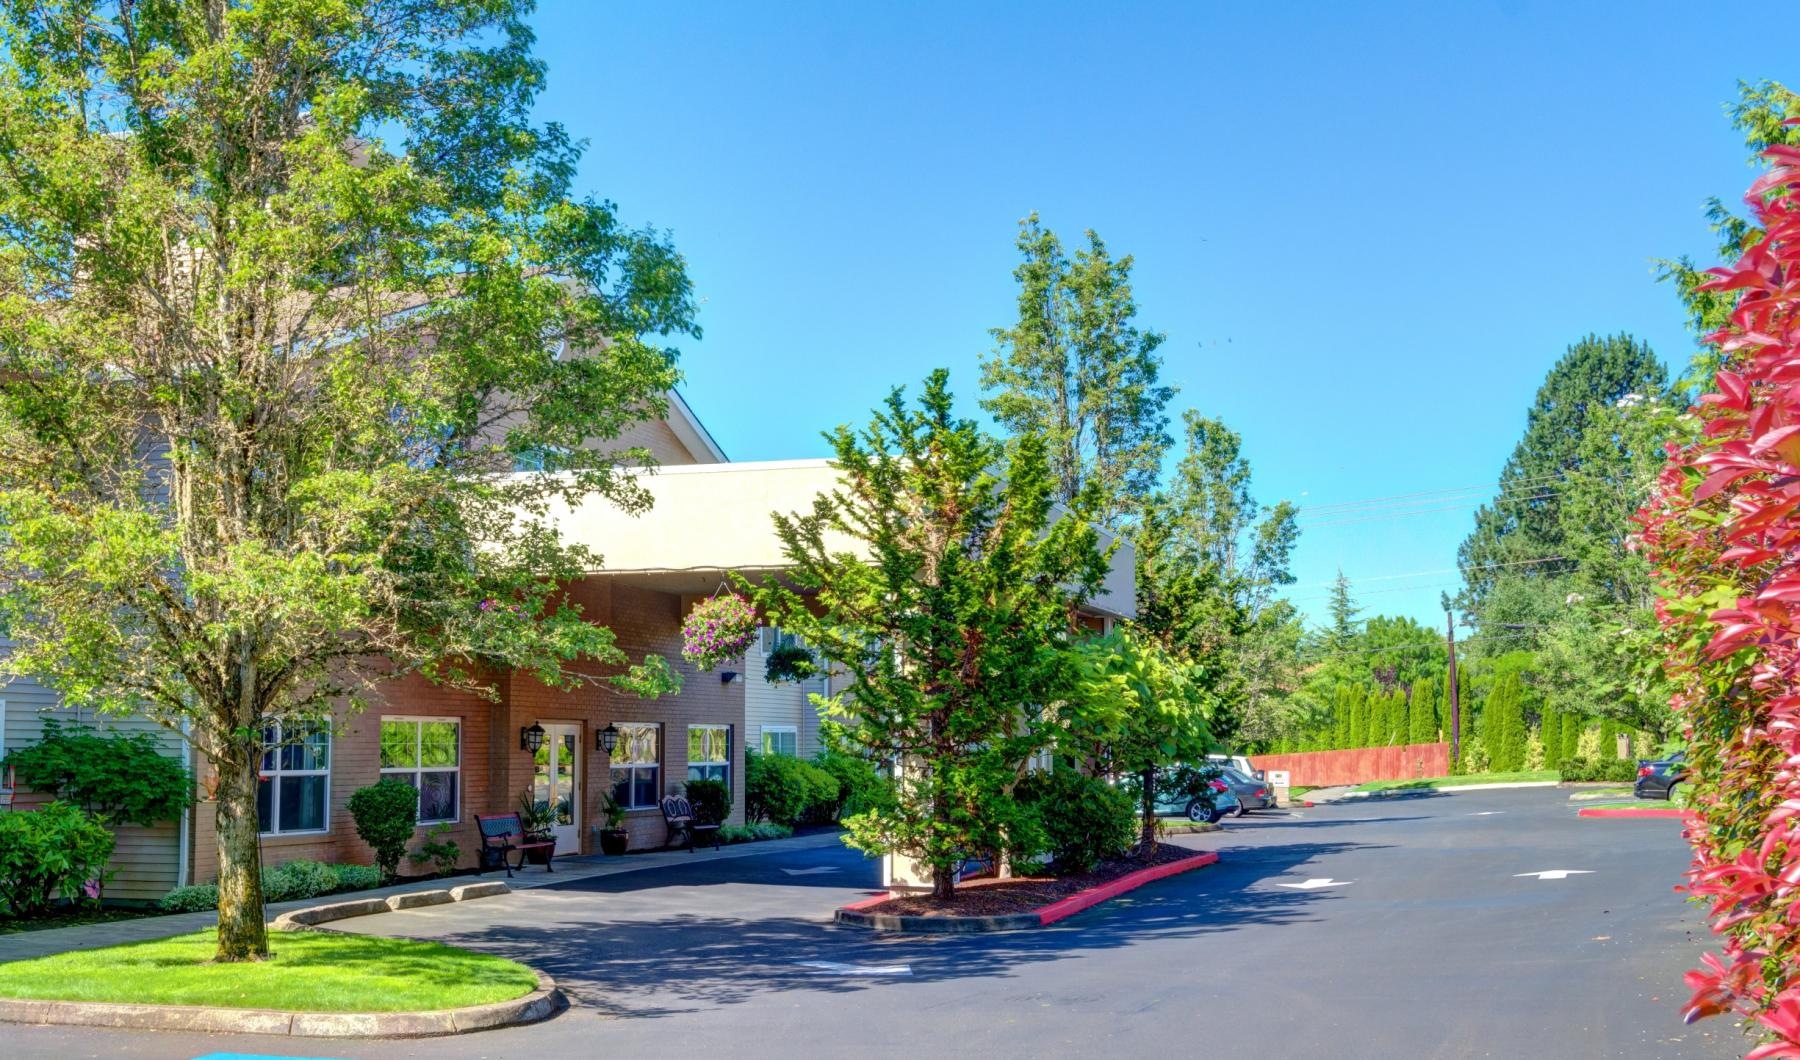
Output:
[[678, 814], [501, 834]]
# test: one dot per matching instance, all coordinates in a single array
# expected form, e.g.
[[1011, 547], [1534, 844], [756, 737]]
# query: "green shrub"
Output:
[[1084, 819], [386, 815], [786, 790], [124, 778], [1587, 770], [296, 880], [292, 881], [357, 877], [711, 800], [860, 784], [441, 853], [732, 833], [199, 898], [50, 853]]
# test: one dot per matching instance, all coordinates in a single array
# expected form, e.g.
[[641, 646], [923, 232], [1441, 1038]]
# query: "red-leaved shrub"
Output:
[[1722, 530]]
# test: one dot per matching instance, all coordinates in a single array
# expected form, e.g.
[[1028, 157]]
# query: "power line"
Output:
[[1442, 570], [1400, 514], [1428, 496]]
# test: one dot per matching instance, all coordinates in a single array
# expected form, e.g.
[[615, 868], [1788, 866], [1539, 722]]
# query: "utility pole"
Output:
[[1455, 706]]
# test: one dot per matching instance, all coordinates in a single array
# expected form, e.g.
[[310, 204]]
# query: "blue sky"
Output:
[[1367, 229]]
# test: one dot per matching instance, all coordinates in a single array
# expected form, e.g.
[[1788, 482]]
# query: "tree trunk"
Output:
[[242, 934], [943, 883], [1147, 837]]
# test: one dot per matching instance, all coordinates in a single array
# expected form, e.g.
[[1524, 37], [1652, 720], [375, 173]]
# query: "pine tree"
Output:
[[1504, 724], [1421, 711], [1343, 611], [1571, 737], [1359, 717]]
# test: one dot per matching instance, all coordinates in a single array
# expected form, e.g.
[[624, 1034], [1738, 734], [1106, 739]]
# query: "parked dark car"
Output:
[[1657, 779], [1252, 793]]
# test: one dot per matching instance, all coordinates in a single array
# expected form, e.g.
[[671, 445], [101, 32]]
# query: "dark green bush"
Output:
[[786, 790], [49, 853], [860, 784], [1587, 770], [1084, 819], [386, 815], [124, 778], [789, 663], [199, 898], [732, 833], [442, 854], [711, 800], [295, 880], [357, 877]]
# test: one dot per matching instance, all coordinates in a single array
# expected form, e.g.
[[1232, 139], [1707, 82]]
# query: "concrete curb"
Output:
[[314, 916], [1634, 811], [856, 913], [542, 1003], [1448, 789]]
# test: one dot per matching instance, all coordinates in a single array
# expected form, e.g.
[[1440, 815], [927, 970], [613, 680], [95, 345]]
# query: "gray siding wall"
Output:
[[145, 862]]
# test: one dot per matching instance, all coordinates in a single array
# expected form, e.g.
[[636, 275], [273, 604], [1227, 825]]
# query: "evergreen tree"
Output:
[[1359, 717], [947, 620], [1516, 558], [1550, 729], [1421, 713], [1341, 634], [1571, 737], [1504, 722], [1076, 372]]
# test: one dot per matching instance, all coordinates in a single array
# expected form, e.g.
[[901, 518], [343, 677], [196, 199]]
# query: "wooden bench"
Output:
[[678, 814], [501, 834]]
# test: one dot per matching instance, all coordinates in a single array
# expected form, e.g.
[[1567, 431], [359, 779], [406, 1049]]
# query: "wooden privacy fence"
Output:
[[1317, 769]]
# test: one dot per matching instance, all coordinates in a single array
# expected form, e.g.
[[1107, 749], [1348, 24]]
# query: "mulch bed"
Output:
[[988, 897]]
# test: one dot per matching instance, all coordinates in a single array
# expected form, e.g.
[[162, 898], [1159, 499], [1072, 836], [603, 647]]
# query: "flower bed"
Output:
[[999, 905]]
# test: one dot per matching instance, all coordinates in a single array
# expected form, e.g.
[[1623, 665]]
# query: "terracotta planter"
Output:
[[539, 856]]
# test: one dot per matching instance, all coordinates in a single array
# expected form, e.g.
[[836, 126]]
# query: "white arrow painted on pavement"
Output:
[[1315, 884], [811, 871], [834, 968], [1555, 874], [1486, 813]]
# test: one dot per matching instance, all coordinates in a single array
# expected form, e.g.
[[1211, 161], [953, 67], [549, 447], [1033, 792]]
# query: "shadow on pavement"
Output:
[[669, 964]]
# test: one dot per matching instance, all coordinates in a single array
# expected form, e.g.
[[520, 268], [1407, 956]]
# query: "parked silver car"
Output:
[[1251, 793]]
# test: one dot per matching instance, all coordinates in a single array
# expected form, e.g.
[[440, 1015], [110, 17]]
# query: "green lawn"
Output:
[[1459, 781], [309, 971]]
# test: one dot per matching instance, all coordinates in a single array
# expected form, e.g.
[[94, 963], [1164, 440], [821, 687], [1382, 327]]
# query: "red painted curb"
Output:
[[1632, 811], [1093, 896]]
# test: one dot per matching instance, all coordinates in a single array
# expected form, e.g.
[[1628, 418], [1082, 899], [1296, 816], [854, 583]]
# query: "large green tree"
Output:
[[938, 577], [1516, 560], [1076, 371], [1211, 562], [282, 287]]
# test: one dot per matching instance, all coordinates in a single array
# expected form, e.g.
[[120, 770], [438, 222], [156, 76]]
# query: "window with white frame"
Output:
[[709, 752], [294, 789], [427, 754], [781, 740], [637, 765]]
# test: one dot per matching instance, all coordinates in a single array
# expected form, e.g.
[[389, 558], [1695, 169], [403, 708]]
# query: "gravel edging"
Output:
[[856, 914], [542, 1003]]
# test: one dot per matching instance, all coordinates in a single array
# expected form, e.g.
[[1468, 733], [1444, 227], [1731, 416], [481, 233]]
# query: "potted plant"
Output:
[[789, 663], [614, 839], [536, 818]]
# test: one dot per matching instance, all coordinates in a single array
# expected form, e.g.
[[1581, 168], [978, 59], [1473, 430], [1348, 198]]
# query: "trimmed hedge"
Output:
[[286, 883], [787, 790], [1587, 770]]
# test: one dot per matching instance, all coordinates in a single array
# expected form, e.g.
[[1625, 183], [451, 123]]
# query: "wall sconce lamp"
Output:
[[727, 676], [531, 737], [607, 739]]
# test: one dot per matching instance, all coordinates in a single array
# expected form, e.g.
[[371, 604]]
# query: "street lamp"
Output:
[[607, 739], [531, 737]]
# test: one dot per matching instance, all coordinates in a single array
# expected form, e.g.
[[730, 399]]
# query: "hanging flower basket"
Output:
[[718, 629]]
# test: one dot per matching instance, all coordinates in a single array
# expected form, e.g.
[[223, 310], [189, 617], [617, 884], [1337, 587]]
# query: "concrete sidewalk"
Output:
[[22, 945]]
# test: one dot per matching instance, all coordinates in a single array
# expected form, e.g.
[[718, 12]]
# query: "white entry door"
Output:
[[558, 782]]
